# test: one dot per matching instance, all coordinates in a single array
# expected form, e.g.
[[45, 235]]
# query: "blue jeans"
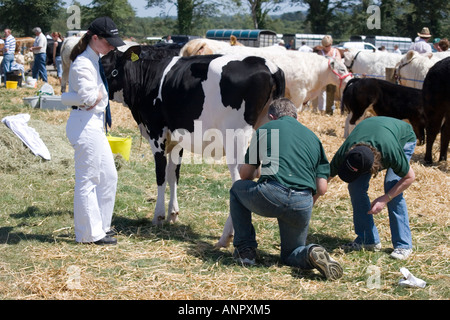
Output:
[[58, 65], [365, 228], [7, 62], [40, 66], [271, 199]]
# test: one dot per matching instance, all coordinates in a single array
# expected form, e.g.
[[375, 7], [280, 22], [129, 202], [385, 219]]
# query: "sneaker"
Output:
[[353, 246], [401, 254], [321, 260], [246, 256]]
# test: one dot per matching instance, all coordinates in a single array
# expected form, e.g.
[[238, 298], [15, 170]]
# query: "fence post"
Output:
[[390, 75], [331, 90]]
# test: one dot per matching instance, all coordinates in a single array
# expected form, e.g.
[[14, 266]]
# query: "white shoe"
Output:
[[401, 254]]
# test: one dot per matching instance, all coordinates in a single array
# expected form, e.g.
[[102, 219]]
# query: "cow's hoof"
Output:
[[174, 217], [158, 221], [224, 243]]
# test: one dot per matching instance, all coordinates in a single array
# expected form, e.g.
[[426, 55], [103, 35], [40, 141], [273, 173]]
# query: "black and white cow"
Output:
[[193, 98]]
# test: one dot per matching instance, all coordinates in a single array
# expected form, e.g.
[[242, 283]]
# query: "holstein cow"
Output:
[[190, 99], [385, 99], [306, 73], [436, 88]]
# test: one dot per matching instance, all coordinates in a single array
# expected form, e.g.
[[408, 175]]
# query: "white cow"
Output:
[[306, 73], [412, 69], [370, 64], [66, 48]]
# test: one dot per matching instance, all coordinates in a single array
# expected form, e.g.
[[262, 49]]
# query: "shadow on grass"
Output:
[[198, 245], [31, 217]]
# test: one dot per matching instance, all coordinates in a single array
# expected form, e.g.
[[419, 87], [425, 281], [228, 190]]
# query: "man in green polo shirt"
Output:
[[293, 170], [375, 144]]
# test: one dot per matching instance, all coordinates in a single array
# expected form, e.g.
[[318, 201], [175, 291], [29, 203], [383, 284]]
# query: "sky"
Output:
[[141, 11]]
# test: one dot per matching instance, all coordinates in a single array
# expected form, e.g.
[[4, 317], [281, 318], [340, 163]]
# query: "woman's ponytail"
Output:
[[80, 46]]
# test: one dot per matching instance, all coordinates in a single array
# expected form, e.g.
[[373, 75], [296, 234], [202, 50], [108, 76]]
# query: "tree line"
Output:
[[339, 18]]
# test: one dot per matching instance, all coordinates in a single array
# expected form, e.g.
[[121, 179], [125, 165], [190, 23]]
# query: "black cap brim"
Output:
[[115, 41], [346, 175]]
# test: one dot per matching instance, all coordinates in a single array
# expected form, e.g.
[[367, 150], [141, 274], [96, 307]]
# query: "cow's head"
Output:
[[341, 75], [114, 63]]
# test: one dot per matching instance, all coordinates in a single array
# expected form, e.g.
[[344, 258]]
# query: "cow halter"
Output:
[[353, 61], [341, 78], [397, 75]]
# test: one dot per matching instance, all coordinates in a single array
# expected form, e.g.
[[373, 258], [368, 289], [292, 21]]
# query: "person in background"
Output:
[[327, 51], [443, 45], [293, 169], [95, 171], [305, 48], [421, 44], [8, 52], [375, 144], [397, 50], [57, 44], [39, 50]]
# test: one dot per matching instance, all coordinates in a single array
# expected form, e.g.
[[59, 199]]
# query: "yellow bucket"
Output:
[[120, 145], [11, 84]]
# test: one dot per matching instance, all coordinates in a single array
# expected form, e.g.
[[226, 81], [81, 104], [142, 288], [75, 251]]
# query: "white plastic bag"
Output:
[[46, 89], [410, 280]]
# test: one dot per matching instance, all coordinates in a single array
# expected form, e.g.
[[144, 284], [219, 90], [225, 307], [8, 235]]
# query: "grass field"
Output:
[[39, 259]]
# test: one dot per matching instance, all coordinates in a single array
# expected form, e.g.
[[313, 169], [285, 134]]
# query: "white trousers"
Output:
[[95, 175]]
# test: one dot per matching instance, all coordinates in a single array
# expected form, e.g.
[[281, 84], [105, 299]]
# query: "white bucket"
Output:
[[31, 82]]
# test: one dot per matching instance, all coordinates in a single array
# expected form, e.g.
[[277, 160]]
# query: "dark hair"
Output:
[[444, 44], [283, 107], [377, 165], [81, 46]]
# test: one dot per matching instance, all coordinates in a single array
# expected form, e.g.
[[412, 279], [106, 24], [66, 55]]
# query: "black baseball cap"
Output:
[[358, 161], [106, 28]]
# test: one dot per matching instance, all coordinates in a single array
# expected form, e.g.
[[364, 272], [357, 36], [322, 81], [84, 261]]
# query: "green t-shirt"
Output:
[[290, 153], [387, 135]]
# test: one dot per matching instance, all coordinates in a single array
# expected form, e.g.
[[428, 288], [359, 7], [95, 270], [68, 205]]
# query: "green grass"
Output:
[[37, 247]]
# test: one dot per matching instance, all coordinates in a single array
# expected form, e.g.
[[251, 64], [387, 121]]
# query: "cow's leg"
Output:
[[173, 176], [228, 230], [348, 127], [160, 168], [431, 133], [445, 138], [159, 154], [63, 84]]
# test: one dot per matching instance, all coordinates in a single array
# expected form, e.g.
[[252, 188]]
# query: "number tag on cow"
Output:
[[134, 57]]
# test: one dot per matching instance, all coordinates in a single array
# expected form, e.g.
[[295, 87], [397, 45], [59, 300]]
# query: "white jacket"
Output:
[[85, 82]]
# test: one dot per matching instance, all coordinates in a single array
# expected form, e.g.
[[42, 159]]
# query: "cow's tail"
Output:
[[280, 84]]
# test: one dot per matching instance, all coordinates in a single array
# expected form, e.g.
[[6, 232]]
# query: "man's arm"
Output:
[[403, 184], [249, 172], [322, 186]]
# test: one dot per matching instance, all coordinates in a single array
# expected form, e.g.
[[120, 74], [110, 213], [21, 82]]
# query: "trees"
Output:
[[340, 18], [189, 12], [260, 9], [23, 16]]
